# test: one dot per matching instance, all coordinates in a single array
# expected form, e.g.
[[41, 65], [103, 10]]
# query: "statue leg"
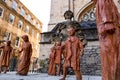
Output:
[[5, 69], [78, 74], [64, 73], [58, 71], [0, 68]]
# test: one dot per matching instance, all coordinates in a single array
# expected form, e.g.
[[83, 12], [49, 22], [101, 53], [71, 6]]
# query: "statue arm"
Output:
[[21, 50], [81, 48], [12, 52], [30, 49], [1, 47]]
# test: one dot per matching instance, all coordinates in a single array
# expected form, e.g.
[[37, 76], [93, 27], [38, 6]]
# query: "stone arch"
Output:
[[83, 10]]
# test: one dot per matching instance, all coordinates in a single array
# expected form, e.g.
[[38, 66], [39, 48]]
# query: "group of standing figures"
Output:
[[72, 50], [24, 60], [108, 25]]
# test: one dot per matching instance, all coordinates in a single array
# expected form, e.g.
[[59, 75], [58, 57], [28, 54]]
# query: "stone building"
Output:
[[15, 21], [84, 13]]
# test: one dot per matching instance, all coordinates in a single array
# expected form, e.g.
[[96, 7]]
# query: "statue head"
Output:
[[25, 38], [68, 14], [71, 31], [58, 43], [8, 43]]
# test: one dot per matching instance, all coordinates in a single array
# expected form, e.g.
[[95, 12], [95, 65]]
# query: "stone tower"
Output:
[[80, 8]]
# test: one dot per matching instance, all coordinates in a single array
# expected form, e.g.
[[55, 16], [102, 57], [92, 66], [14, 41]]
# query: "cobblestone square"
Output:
[[41, 76]]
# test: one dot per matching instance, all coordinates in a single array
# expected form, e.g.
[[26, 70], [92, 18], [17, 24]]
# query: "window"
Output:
[[29, 17], [11, 18], [1, 12], [22, 12], [14, 5], [92, 16], [20, 24], [34, 22], [27, 29], [33, 32], [38, 26], [5, 0], [7, 36], [37, 36], [17, 41], [86, 17]]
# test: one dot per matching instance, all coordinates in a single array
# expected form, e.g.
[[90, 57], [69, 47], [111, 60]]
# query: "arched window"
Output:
[[22, 12], [14, 5], [11, 18], [29, 17], [27, 29], [89, 15], [20, 24]]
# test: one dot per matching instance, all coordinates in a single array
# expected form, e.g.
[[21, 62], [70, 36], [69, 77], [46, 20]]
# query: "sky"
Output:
[[41, 9]]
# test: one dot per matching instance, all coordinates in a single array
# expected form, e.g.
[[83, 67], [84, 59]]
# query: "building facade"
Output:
[[16, 20], [84, 13]]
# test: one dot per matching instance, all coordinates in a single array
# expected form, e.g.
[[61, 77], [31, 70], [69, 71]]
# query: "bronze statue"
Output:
[[107, 18], [74, 50], [24, 61], [51, 68], [58, 56], [5, 56]]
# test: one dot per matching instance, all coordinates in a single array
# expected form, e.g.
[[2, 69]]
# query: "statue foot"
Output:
[[62, 79], [79, 79], [5, 72]]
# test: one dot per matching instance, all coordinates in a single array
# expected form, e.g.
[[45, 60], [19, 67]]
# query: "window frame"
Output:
[[22, 12], [17, 42], [2, 12], [28, 17], [10, 18], [14, 5], [20, 24], [27, 29]]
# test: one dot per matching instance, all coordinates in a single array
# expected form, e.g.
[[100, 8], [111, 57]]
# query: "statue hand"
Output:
[[111, 31], [95, 1]]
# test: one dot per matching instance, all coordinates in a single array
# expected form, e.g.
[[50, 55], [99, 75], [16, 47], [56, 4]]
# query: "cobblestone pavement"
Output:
[[41, 76]]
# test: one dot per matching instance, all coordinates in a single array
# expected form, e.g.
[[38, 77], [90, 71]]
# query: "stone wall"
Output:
[[90, 62]]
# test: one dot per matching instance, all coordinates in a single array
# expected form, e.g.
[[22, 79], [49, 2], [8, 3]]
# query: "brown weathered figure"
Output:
[[74, 50], [24, 63], [51, 68], [119, 1], [58, 56], [5, 56], [107, 23], [118, 42]]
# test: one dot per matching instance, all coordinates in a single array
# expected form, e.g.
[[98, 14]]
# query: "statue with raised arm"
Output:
[[107, 18], [7, 51], [24, 61], [74, 50]]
